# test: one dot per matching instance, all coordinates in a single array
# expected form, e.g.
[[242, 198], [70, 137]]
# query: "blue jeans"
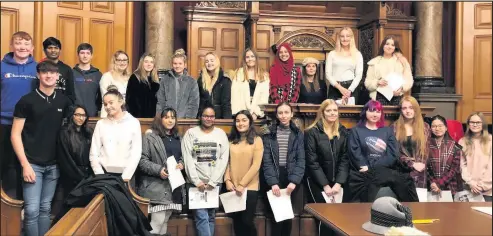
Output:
[[205, 221], [37, 199]]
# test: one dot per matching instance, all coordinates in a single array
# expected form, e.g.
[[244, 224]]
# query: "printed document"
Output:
[[468, 196], [281, 206], [203, 200], [422, 194], [232, 202], [334, 198], [443, 196], [175, 176], [486, 210]]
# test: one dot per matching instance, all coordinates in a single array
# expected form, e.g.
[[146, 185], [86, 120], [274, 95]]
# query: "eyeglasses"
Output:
[[209, 117], [121, 60], [475, 123], [80, 115], [437, 126]]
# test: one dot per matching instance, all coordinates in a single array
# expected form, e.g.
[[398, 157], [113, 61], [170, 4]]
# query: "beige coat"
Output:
[[240, 94], [379, 67], [476, 166]]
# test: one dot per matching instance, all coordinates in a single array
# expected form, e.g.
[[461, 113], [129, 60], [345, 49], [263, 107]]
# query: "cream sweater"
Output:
[[476, 167], [379, 68], [240, 94]]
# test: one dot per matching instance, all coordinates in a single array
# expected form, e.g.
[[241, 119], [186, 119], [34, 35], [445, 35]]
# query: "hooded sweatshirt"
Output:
[[16, 81], [87, 92]]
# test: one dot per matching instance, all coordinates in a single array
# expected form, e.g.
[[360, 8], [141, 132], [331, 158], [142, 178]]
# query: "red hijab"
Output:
[[280, 72]]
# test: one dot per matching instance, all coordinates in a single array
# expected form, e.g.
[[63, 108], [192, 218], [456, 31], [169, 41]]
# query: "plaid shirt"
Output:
[[444, 164], [408, 159]]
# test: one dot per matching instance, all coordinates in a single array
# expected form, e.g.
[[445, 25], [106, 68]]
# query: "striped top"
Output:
[[283, 141]]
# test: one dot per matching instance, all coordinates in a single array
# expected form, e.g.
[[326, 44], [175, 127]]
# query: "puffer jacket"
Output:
[[327, 162]]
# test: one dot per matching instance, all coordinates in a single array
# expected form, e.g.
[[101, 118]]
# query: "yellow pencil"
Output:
[[425, 221]]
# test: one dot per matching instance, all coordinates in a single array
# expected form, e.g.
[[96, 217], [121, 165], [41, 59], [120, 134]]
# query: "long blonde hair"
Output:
[[141, 73], [418, 125], [207, 81], [331, 130], [352, 45], [484, 137], [259, 72], [114, 72]]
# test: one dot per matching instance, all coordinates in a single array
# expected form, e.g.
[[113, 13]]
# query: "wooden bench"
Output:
[[11, 222]]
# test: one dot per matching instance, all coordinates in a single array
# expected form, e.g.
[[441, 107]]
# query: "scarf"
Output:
[[280, 73]]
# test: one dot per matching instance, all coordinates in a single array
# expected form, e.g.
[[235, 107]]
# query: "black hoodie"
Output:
[[87, 90]]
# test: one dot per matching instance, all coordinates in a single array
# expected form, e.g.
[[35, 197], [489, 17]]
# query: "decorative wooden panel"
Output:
[[73, 5], [473, 59], [10, 25], [229, 39], [264, 62], [482, 16], [102, 41], [229, 63], [263, 40], [482, 66], [105, 7], [69, 32], [207, 38]]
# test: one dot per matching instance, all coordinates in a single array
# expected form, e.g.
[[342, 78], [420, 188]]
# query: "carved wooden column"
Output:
[[159, 32], [254, 16]]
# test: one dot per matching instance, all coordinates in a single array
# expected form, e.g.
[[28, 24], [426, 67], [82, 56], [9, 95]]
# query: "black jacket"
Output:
[[296, 156], [122, 214], [141, 97], [220, 98], [73, 161], [327, 161]]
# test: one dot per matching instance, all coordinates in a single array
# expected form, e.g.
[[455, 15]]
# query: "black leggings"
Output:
[[243, 221], [314, 192]]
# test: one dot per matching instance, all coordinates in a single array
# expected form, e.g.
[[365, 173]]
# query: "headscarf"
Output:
[[280, 72]]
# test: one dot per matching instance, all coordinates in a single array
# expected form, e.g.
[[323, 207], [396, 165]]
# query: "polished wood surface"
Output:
[[473, 77], [107, 26], [454, 218], [90, 220], [10, 210]]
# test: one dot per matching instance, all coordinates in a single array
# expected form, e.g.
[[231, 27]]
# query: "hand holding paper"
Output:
[[174, 175], [281, 206], [232, 202]]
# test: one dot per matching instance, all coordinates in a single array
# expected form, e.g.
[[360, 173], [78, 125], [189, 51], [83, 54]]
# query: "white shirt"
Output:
[[339, 69], [116, 143]]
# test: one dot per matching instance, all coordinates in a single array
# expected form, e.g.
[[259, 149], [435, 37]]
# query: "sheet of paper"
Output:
[[203, 200], [114, 169], [394, 80], [335, 198], [386, 92], [350, 102], [486, 210], [233, 203], [281, 206], [422, 194], [468, 196], [175, 176], [443, 196]]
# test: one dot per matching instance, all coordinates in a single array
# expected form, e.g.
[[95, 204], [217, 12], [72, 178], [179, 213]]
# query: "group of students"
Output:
[[326, 157]]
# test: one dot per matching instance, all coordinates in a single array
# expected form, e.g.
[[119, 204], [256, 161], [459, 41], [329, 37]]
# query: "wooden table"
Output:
[[455, 218]]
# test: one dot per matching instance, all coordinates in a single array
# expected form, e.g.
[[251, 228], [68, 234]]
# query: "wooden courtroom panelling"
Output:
[[16, 16], [10, 209], [473, 59]]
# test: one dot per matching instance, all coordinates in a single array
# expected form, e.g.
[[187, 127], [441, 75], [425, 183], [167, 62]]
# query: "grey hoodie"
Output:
[[182, 96]]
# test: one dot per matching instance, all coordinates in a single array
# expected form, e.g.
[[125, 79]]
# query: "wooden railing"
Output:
[[11, 215], [90, 220]]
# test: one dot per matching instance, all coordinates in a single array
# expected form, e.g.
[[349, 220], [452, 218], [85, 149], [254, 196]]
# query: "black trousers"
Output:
[[282, 228], [335, 94], [243, 221], [314, 192], [10, 168]]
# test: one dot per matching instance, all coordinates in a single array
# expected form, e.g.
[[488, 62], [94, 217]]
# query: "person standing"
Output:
[[18, 75], [177, 89], [285, 77], [142, 88], [242, 173], [86, 79], [312, 90], [65, 82], [205, 153], [118, 76], [38, 118]]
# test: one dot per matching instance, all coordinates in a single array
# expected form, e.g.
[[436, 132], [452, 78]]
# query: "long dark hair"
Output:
[[384, 41], [235, 135], [157, 123], [446, 136], [77, 137]]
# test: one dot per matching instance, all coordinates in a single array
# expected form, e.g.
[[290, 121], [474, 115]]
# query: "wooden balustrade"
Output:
[[11, 215]]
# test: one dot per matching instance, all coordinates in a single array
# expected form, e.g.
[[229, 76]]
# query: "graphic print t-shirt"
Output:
[[377, 147]]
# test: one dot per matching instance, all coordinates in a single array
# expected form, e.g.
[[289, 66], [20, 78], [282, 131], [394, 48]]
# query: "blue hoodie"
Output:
[[16, 81]]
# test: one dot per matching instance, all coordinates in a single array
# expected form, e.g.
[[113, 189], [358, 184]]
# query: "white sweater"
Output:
[[240, 95], [116, 144], [339, 69]]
